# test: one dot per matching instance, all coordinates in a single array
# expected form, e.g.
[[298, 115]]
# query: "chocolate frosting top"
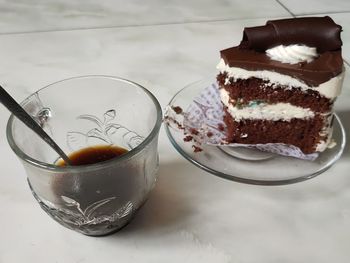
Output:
[[319, 32], [325, 67]]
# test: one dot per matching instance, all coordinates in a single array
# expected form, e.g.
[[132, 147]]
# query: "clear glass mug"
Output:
[[79, 112]]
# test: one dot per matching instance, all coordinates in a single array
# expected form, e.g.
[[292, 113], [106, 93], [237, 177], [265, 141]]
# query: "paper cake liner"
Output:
[[202, 123]]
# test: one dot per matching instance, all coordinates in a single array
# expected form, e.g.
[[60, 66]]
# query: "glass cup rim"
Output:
[[47, 166]]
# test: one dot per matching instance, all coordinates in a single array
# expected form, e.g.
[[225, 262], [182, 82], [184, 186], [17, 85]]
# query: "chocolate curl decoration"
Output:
[[319, 32]]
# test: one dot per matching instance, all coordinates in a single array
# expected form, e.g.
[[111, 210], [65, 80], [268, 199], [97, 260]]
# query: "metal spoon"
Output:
[[22, 115]]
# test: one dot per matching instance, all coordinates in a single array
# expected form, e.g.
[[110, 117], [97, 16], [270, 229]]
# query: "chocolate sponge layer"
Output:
[[254, 89], [302, 133]]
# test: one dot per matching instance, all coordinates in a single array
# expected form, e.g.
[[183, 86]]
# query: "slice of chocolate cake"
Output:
[[279, 85]]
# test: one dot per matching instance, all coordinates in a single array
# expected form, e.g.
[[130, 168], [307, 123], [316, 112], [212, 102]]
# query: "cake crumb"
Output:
[[194, 131], [332, 144], [196, 149], [188, 138], [177, 109], [172, 120], [221, 127]]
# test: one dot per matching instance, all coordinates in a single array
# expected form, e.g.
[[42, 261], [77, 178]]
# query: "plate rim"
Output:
[[254, 181]]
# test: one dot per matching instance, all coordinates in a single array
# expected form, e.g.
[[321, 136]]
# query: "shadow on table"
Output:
[[171, 204], [323, 187], [168, 205]]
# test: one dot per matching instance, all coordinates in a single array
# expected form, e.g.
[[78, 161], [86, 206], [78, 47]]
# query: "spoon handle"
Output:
[[22, 115]]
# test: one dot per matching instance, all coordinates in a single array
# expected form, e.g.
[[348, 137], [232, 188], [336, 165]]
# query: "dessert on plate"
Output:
[[280, 84]]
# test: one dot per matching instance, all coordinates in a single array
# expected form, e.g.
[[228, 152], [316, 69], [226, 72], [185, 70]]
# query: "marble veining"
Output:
[[41, 15], [300, 7], [191, 216]]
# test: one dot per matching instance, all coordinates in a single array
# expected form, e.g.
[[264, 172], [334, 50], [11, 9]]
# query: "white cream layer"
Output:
[[323, 145], [330, 89], [273, 112], [326, 131]]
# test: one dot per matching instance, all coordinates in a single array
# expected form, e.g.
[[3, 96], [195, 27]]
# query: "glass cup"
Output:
[[79, 112]]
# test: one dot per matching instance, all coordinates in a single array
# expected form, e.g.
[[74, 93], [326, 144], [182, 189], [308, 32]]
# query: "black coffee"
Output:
[[93, 155]]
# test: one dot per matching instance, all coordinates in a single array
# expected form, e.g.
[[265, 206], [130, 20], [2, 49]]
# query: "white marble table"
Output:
[[191, 216]]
